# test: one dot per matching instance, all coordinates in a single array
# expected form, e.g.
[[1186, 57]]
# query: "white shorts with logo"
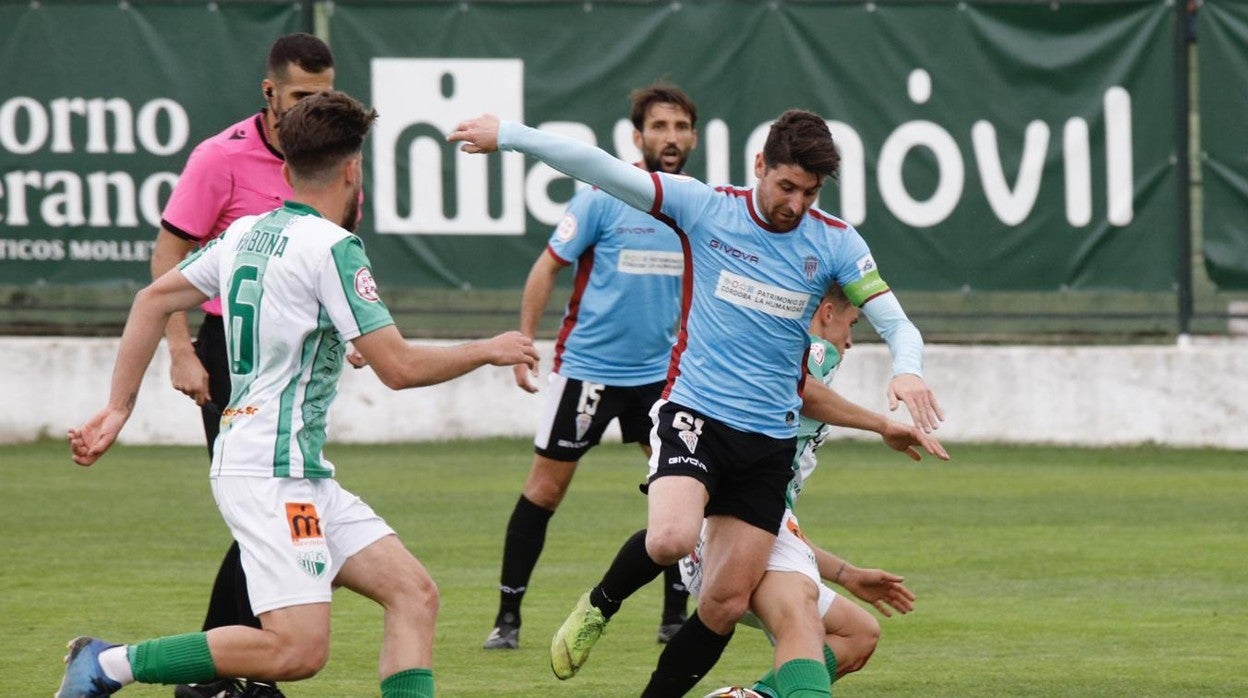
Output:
[[791, 553], [295, 535]]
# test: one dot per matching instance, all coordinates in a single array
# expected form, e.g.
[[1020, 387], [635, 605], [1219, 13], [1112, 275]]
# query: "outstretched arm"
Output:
[[537, 289], [824, 404], [880, 588], [905, 343], [148, 317], [186, 372], [486, 134], [401, 365]]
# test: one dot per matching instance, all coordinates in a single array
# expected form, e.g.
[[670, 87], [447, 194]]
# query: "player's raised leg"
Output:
[[673, 533]]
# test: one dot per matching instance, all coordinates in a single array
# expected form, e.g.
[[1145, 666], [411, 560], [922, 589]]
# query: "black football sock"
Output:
[[687, 658], [675, 595], [223, 605], [631, 570], [526, 536]]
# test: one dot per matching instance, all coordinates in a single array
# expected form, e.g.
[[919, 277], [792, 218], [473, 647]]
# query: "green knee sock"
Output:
[[766, 684], [174, 659], [803, 678], [409, 683], [829, 660]]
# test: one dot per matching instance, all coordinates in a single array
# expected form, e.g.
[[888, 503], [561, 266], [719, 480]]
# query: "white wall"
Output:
[[1193, 394]]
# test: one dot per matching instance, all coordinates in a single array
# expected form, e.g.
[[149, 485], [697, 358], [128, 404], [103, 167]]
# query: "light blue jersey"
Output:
[[620, 322], [754, 291], [750, 289]]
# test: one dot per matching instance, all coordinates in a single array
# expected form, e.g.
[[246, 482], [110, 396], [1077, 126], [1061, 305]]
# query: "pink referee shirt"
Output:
[[232, 174]]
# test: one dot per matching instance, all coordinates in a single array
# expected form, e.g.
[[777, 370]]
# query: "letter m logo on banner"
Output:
[[423, 185], [304, 522]]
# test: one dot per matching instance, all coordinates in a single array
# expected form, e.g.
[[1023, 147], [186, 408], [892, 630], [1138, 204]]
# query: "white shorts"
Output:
[[294, 534], [791, 553]]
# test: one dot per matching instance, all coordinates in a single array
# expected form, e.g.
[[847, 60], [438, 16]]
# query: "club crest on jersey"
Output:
[[365, 286], [582, 425], [810, 267], [567, 228], [313, 562], [866, 265], [818, 353]]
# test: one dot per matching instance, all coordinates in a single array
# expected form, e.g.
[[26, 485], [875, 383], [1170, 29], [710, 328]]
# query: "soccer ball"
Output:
[[734, 692]]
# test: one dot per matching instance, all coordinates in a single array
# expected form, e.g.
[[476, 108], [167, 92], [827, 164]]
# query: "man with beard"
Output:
[[296, 287], [613, 347], [756, 261], [235, 173]]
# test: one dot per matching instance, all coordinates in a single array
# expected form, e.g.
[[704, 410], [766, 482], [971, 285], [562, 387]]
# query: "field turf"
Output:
[[1040, 571]]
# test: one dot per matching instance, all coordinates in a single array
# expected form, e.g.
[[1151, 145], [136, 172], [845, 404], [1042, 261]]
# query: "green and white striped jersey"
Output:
[[294, 289], [821, 363]]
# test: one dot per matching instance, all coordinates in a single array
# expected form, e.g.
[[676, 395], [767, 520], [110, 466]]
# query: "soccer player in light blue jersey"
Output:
[[613, 346], [756, 263], [792, 588]]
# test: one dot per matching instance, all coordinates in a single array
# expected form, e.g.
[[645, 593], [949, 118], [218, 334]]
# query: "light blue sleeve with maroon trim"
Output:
[[580, 227], [629, 184], [681, 199]]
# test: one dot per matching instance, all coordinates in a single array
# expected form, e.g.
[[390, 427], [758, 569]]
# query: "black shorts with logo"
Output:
[[582, 411], [745, 474]]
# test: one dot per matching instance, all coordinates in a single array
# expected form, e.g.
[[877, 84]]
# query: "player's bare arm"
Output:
[[401, 365], [145, 326], [882, 589], [537, 289], [824, 404], [186, 372]]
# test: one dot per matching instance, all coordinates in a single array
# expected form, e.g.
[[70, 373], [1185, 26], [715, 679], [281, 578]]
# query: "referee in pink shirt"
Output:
[[235, 173]]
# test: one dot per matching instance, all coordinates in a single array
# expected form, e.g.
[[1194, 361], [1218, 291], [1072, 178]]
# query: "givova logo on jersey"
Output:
[[421, 183]]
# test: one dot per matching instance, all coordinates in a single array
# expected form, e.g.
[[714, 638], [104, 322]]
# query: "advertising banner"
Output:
[[986, 146], [1222, 31], [100, 105]]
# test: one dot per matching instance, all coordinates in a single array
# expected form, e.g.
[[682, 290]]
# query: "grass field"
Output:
[[1039, 571]]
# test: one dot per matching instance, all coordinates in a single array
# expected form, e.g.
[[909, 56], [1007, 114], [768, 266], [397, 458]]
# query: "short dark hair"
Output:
[[322, 129], [659, 93], [836, 296], [304, 50], [802, 138]]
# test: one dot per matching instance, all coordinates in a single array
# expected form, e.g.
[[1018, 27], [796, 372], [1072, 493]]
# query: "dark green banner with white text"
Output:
[[986, 146], [100, 105]]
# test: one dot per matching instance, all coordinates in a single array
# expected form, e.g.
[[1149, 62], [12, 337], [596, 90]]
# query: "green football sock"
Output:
[[175, 659], [803, 678], [409, 683], [766, 685], [829, 660]]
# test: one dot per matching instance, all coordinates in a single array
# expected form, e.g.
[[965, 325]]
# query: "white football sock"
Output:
[[116, 665]]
